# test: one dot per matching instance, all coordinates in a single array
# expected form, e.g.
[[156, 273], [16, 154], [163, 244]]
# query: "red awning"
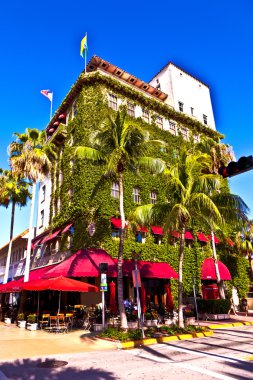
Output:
[[157, 230], [149, 269], [175, 234], [202, 237], [84, 263], [188, 235], [116, 222], [230, 242], [142, 229], [208, 270], [65, 229], [51, 236], [216, 240], [36, 243]]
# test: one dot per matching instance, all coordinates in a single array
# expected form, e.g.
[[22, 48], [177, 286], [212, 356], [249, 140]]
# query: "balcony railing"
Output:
[[50, 259]]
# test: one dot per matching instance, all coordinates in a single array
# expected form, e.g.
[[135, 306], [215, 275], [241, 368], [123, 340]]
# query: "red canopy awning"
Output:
[[175, 234], [51, 236], [202, 237], [116, 222], [230, 242], [188, 235], [157, 230], [59, 283], [208, 270], [142, 229], [65, 229], [84, 263], [149, 269], [216, 240]]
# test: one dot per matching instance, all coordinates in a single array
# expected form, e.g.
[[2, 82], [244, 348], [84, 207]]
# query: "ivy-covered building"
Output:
[[174, 107]]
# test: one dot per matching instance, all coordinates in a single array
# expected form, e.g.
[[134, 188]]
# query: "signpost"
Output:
[[137, 284], [103, 289]]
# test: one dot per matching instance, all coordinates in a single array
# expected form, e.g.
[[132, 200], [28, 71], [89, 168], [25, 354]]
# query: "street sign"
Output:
[[103, 284]]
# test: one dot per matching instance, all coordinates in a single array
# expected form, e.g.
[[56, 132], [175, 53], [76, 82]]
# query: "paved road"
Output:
[[227, 355]]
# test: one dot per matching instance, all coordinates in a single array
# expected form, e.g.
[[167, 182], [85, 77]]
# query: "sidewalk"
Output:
[[20, 343]]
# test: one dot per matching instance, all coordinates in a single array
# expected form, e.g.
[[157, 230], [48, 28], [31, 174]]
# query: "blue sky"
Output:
[[40, 44]]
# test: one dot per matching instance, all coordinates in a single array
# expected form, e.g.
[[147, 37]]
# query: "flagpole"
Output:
[[51, 108], [85, 54]]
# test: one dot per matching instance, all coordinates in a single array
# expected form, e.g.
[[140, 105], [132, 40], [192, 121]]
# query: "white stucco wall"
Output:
[[182, 87], [44, 204]]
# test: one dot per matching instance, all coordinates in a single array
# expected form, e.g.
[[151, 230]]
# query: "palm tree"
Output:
[[121, 146], [30, 158], [244, 242], [14, 192], [188, 198]]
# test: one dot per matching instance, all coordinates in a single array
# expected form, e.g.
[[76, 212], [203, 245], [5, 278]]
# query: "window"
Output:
[[115, 190], [145, 115], [181, 106], [205, 119], [74, 109], [136, 195], [153, 197], [158, 86], [43, 193], [172, 128], [192, 111], [130, 109], [196, 138], [159, 121], [115, 233], [184, 132], [42, 215], [113, 101]]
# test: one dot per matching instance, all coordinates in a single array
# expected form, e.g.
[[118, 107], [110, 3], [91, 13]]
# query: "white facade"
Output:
[[193, 95]]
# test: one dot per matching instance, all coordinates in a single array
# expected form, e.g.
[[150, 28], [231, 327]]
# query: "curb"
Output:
[[164, 339], [226, 325]]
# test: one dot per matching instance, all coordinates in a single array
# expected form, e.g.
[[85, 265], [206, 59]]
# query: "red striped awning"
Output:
[[175, 234], [216, 240], [202, 237], [65, 229], [50, 237], [157, 230], [208, 270], [188, 235]]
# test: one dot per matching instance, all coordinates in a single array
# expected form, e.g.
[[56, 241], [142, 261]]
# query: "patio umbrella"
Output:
[[113, 305], [169, 299], [59, 283], [143, 299]]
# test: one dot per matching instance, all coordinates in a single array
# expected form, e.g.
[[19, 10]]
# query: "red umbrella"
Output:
[[11, 287], [59, 283], [113, 306], [143, 299], [169, 299]]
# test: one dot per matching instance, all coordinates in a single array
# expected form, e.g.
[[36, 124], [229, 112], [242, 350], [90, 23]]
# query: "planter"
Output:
[[7, 321], [190, 320], [98, 326], [169, 322], [132, 325], [151, 322], [32, 326], [22, 324]]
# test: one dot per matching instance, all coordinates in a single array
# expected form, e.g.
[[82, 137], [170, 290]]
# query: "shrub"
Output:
[[213, 306], [32, 318], [21, 317]]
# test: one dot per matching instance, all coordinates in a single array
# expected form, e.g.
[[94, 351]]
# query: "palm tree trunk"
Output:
[[217, 272], [123, 318], [7, 266], [30, 236], [180, 279]]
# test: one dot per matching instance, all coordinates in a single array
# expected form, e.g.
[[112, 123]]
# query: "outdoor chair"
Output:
[[62, 326], [44, 322], [53, 323], [69, 320]]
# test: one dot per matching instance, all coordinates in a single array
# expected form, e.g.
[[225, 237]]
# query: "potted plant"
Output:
[[32, 322], [151, 318], [132, 320], [21, 322]]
